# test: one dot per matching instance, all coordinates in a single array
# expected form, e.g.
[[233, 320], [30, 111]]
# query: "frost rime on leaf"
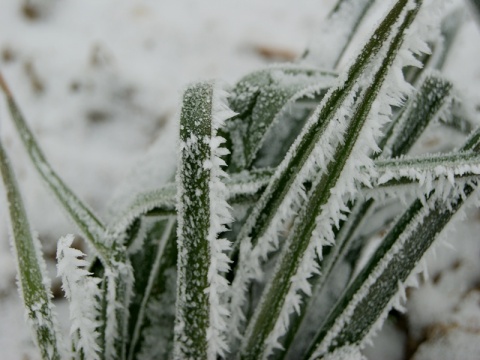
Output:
[[261, 99], [359, 315], [81, 289], [346, 151], [33, 281], [202, 216]]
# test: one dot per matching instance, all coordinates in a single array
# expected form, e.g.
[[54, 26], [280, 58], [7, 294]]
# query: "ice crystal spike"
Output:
[[202, 215], [83, 294]]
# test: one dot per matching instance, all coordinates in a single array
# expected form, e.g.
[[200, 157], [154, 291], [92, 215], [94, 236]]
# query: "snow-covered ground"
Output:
[[100, 84]]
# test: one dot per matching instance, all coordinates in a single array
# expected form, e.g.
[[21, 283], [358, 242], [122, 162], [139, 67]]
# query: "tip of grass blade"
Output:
[[4, 86]]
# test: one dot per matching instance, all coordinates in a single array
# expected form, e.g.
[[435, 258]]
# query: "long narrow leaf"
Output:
[[377, 288], [33, 281], [260, 99], [202, 215], [280, 297], [422, 108], [152, 263], [88, 223], [323, 207], [242, 187]]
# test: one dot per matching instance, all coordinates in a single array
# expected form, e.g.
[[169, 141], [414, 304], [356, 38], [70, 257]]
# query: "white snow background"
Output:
[[100, 84]]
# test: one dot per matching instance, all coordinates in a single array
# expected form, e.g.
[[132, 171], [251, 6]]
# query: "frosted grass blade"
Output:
[[302, 149], [151, 258], [242, 187], [88, 223], [426, 170], [297, 262], [364, 306], [432, 101], [82, 291], [260, 99], [375, 291], [428, 104], [202, 216], [33, 282]]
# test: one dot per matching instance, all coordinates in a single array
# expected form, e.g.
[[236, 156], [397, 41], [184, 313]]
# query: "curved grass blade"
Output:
[[33, 281], [242, 187], [89, 224], [432, 100], [152, 308], [260, 99], [321, 210], [110, 252], [202, 215]]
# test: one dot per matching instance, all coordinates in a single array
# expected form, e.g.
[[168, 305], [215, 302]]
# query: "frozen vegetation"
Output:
[[322, 207]]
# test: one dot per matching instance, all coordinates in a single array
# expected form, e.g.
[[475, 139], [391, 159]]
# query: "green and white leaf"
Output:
[[153, 264], [345, 146], [261, 99], [88, 223], [33, 282], [202, 215]]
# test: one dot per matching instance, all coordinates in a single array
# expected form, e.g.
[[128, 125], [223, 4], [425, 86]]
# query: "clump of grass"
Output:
[[255, 250]]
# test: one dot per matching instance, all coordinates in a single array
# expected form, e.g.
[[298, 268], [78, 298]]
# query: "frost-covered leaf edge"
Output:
[[33, 282]]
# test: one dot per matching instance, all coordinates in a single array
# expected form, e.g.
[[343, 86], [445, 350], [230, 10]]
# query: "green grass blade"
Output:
[[287, 172], [202, 215], [88, 223], [422, 108], [260, 99], [364, 305], [297, 262], [33, 281], [430, 102], [111, 253], [245, 187], [153, 261], [428, 171], [376, 289]]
